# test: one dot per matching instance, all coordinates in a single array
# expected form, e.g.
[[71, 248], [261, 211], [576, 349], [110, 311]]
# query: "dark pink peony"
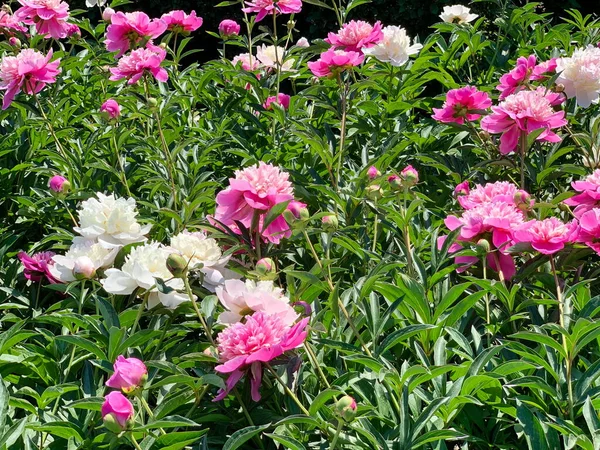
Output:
[[37, 266], [130, 30], [280, 99], [268, 7], [48, 16], [547, 236], [464, 103], [9, 23], [179, 22], [589, 196], [589, 229], [130, 373], [229, 27], [356, 35], [332, 62]]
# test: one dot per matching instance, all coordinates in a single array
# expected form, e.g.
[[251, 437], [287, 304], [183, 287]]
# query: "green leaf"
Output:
[[286, 441], [238, 438], [84, 344]]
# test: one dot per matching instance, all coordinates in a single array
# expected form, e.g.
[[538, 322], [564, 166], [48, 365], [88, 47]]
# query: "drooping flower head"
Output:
[[589, 229], [179, 22], [229, 28], [135, 64], [111, 108], [580, 75], [244, 347], [466, 103], [130, 30], [129, 374], [84, 258], [524, 112], [30, 71], [356, 35], [242, 298], [394, 48], [37, 266], [280, 99], [332, 62], [48, 16], [264, 7], [457, 14], [117, 412], [547, 236], [589, 196], [9, 23]]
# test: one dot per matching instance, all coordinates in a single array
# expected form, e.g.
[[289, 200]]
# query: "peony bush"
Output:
[[370, 240]]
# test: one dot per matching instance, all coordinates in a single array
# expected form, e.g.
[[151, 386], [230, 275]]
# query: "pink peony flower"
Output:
[[243, 347], [255, 190], [373, 173], [48, 16], [333, 62], [264, 7], [544, 69], [249, 63], [524, 112], [117, 410], [136, 63], [356, 35], [111, 108], [229, 27], [500, 191], [9, 23], [409, 176], [37, 266], [180, 22], [589, 229], [590, 194], [464, 103], [130, 30], [462, 189], [130, 373], [29, 72], [303, 43], [280, 99], [547, 236], [59, 184], [520, 75], [73, 30]]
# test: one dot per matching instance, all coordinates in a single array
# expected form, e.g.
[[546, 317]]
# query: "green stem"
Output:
[[59, 146], [337, 434], [122, 174], [315, 362], [287, 390], [148, 410], [407, 241], [134, 442], [140, 312], [247, 414], [188, 290], [375, 223], [487, 301], [166, 328], [275, 42], [523, 149], [343, 100], [62, 200]]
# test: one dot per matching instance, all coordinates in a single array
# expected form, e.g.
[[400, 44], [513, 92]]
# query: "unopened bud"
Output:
[[177, 265], [374, 192], [484, 246], [395, 182], [330, 223], [84, 268], [484, 136], [409, 176], [559, 88], [163, 45], [304, 308], [152, 102], [291, 24], [107, 14], [15, 42], [296, 214], [523, 200], [265, 266], [112, 424], [373, 173], [346, 408]]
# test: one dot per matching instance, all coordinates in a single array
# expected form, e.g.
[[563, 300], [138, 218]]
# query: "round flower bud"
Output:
[[107, 14], [523, 200], [346, 408], [303, 308], [484, 246], [559, 88], [291, 24], [15, 42], [374, 192], [83, 268], [373, 173], [330, 223], [152, 102], [484, 136], [265, 266], [409, 176], [395, 182], [303, 42], [296, 214], [117, 412], [59, 184], [228, 28], [177, 265]]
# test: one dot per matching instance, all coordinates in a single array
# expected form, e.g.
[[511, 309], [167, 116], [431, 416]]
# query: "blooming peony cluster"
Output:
[[525, 71], [466, 103], [48, 16], [394, 48], [9, 23]]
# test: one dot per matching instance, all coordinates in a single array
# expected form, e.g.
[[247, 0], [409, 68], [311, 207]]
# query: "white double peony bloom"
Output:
[[241, 298], [457, 14], [84, 258], [267, 57], [580, 75], [395, 47], [141, 268], [204, 254], [112, 221]]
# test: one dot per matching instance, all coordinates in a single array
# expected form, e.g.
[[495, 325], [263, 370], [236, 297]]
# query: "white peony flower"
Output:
[[241, 298], [112, 221], [457, 14], [580, 75], [92, 3], [203, 253], [83, 258], [302, 42], [141, 268], [395, 47], [266, 55]]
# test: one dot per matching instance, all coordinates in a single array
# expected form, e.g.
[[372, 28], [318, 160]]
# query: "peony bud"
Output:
[[84, 268], [15, 42], [409, 176], [107, 14], [330, 223], [373, 173], [130, 374], [228, 28], [523, 200], [117, 412], [484, 246], [374, 192], [306, 310], [280, 99], [559, 88], [346, 408], [163, 45], [177, 265], [303, 42], [462, 189], [484, 136], [152, 102], [111, 108], [265, 267], [73, 30], [291, 24], [296, 214], [59, 184], [395, 182]]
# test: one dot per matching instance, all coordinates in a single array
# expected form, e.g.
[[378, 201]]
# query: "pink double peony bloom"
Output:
[[48, 16], [130, 30], [280, 99], [525, 71], [248, 62], [464, 103], [500, 191], [130, 374], [244, 347], [589, 229], [29, 72], [229, 27], [332, 62], [111, 108], [547, 236], [136, 63], [523, 113], [356, 35], [589, 196], [10, 23], [268, 7], [254, 191], [37, 266], [117, 412], [179, 22]]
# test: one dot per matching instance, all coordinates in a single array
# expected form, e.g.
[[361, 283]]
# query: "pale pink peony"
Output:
[[589, 229], [589, 196], [409, 176], [48, 16], [242, 298], [333, 62], [512, 81], [464, 103], [135, 64], [119, 407], [29, 72], [58, 184], [248, 62], [280, 99], [37, 266], [130, 30], [547, 236], [244, 347], [179, 22], [264, 7], [111, 108], [255, 190], [580, 75], [229, 27], [9, 23], [524, 112], [500, 191], [130, 373], [107, 14], [356, 35]]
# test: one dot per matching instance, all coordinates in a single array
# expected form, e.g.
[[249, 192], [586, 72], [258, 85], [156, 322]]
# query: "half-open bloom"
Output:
[[333, 62], [130, 30], [130, 373], [248, 62], [48, 16], [244, 347], [229, 27], [547, 236], [465, 103], [356, 35], [274, 58], [589, 229], [511, 82], [457, 14], [111, 108], [280, 99], [264, 7], [138, 62], [179, 22], [589, 196], [117, 411], [580, 75], [37, 266], [65, 267]]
